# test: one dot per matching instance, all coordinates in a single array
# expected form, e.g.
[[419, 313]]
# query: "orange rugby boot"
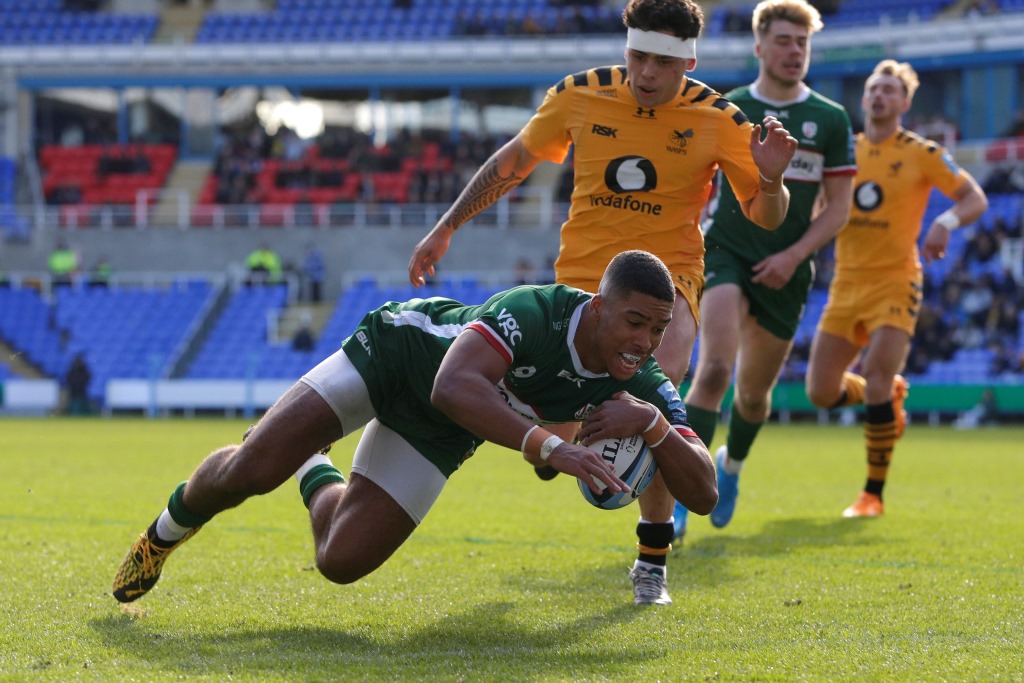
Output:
[[866, 505]]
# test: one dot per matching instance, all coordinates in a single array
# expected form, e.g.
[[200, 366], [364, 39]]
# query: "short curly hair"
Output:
[[682, 18]]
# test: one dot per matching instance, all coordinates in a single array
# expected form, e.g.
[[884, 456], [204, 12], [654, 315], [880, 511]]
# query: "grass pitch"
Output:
[[511, 578]]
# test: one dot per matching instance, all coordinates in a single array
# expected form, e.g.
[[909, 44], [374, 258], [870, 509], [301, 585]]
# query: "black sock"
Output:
[[655, 540]]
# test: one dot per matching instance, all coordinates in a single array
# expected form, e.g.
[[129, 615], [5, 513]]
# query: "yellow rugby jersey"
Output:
[[894, 181], [642, 175]]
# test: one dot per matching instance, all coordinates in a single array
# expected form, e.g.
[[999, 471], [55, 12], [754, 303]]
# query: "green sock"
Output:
[[703, 422], [317, 477], [741, 436], [180, 514]]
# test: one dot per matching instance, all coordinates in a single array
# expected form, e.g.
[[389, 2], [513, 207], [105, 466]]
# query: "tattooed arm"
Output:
[[506, 168]]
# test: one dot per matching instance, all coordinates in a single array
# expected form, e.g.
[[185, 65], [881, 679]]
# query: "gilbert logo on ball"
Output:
[[633, 463]]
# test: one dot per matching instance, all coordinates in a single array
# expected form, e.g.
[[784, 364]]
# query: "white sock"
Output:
[[169, 530], [649, 566], [733, 466], [318, 459]]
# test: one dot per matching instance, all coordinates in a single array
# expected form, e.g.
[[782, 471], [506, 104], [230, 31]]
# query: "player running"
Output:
[[875, 295], [757, 281]]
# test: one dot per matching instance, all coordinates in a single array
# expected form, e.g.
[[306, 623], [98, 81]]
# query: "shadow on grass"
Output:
[[715, 549], [487, 640]]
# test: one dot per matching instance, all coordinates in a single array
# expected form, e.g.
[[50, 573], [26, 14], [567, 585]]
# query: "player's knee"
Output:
[[715, 376], [340, 567], [820, 397], [753, 405]]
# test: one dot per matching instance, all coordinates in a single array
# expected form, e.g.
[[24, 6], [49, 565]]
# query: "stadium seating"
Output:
[[238, 347], [127, 331], [8, 218], [86, 176], [234, 348], [27, 326], [343, 20], [46, 22], [319, 180]]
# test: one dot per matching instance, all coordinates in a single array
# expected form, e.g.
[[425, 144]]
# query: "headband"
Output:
[[660, 43]]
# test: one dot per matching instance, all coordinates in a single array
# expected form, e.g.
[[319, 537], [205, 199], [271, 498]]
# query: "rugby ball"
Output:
[[633, 463]]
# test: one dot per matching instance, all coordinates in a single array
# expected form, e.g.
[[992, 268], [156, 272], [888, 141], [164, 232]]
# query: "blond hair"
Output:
[[798, 12], [902, 71]]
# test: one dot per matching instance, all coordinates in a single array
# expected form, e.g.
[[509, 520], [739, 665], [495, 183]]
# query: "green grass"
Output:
[[510, 578]]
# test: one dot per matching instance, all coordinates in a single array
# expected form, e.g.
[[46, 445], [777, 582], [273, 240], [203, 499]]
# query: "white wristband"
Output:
[[948, 220], [522, 449], [661, 440], [657, 414], [550, 444]]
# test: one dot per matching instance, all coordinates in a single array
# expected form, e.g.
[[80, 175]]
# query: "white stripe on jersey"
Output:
[[423, 322]]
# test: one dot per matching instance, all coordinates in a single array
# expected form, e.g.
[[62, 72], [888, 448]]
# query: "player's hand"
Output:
[[620, 416], [935, 243], [776, 270], [428, 252], [773, 154], [585, 464]]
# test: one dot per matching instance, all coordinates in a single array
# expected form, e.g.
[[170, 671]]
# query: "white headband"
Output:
[[660, 43]]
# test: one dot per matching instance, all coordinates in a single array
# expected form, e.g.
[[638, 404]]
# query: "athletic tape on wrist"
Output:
[[948, 220], [550, 444]]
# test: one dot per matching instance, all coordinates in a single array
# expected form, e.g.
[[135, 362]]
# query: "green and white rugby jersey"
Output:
[[398, 348], [822, 128]]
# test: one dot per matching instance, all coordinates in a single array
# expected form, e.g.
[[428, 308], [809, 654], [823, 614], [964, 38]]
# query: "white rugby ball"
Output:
[[633, 463]]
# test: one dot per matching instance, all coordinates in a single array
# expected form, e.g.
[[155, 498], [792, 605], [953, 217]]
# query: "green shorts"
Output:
[[776, 310], [399, 381]]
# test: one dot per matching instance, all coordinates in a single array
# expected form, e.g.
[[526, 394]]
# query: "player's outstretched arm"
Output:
[[506, 168]]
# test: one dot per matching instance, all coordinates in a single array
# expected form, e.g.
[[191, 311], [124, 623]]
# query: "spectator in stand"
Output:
[[101, 271], [264, 266], [933, 335], [1004, 360], [1002, 230], [76, 381], [63, 263], [1002, 323], [976, 301], [313, 271], [981, 253], [303, 339]]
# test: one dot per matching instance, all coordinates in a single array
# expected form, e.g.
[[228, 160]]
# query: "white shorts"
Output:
[[382, 455]]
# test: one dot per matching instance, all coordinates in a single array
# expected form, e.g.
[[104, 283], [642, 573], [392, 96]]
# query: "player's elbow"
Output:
[[444, 393], [703, 498]]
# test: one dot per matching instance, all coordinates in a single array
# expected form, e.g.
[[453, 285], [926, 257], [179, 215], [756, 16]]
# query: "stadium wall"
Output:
[[165, 397], [384, 251]]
